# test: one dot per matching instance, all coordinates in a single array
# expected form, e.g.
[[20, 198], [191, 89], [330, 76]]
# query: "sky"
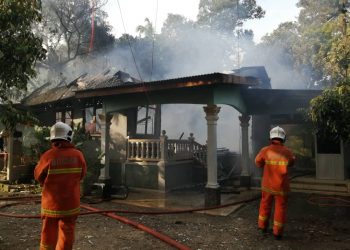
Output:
[[134, 13]]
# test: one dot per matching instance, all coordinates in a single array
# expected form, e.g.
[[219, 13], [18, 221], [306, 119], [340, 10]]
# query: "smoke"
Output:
[[198, 51], [192, 51], [278, 65], [190, 118]]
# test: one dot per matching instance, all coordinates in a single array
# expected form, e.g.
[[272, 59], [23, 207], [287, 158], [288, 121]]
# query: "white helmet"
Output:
[[278, 132], [61, 131]]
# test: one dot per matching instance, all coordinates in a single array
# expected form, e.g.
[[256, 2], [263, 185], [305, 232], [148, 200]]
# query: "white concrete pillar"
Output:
[[212, 112], [245, 174], [163, 161], [212, 189]]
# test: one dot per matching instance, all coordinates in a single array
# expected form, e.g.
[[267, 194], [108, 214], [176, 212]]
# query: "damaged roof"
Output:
[[183, 82], [48, 94], [109, 83], [105, 80]]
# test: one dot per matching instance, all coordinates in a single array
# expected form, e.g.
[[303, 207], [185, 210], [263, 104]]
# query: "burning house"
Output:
[[123, 115]]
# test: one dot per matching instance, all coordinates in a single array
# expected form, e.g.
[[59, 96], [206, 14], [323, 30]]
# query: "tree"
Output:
[[320, 33], [72, 31], [147, 30], [227, 15], [325, 38], [68, 27], [20, 47], [175, 24], [330, 112]]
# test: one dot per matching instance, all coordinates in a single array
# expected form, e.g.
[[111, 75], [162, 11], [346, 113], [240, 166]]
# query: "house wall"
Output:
[[332, 160], [141, 176], [183, 174], [177, 175]]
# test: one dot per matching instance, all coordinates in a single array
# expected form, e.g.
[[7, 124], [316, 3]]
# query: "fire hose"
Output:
[[140, 226], [34, 199], [164, 238], [340, 202]]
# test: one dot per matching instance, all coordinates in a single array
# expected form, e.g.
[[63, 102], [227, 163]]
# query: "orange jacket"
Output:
[[275, 159], [59, 172]]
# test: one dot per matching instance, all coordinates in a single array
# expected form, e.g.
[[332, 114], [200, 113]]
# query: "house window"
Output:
[[145, 119]]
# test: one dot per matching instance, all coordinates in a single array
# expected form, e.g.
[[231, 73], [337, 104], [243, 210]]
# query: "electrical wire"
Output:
[[133, 55], [129, 43]]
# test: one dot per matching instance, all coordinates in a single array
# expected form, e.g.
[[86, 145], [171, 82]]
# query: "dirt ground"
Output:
[[309, 227]]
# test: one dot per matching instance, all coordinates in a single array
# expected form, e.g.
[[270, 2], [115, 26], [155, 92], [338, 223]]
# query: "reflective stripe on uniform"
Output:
[[278, 163], [277, 224], [263, 218], [64, 170], [46, 247], [55, 213], [273, 192]]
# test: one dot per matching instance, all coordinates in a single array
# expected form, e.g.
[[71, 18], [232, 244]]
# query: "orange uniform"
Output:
[[59, 171], [275, 159]]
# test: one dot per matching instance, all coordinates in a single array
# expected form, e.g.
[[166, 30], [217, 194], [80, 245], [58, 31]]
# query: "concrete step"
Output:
[[313, 185], [19, 188]]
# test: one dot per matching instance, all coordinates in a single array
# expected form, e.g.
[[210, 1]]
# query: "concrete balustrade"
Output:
[[165, 149]]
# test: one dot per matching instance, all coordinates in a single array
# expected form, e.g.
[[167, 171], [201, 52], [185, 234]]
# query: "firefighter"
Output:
[[59, 172], [275, 160]]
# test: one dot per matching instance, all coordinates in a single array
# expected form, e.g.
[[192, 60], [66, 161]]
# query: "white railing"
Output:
[[166, 149], [143, 150], [200, 153], [179, 150]]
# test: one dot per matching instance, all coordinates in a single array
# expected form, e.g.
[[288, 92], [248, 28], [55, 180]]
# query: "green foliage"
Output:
[[320, 50], [20, 47], [322, 47], [79, 135], [330, 112], [41, 143], [227, 15], [11, 116], [91, 149], [317, 45]]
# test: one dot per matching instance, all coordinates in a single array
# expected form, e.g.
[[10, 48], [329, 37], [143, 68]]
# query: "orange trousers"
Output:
[[57, 233], [279, 218]]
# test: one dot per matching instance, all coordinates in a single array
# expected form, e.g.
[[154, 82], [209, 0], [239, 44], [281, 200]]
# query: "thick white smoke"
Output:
[[194, 51]]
